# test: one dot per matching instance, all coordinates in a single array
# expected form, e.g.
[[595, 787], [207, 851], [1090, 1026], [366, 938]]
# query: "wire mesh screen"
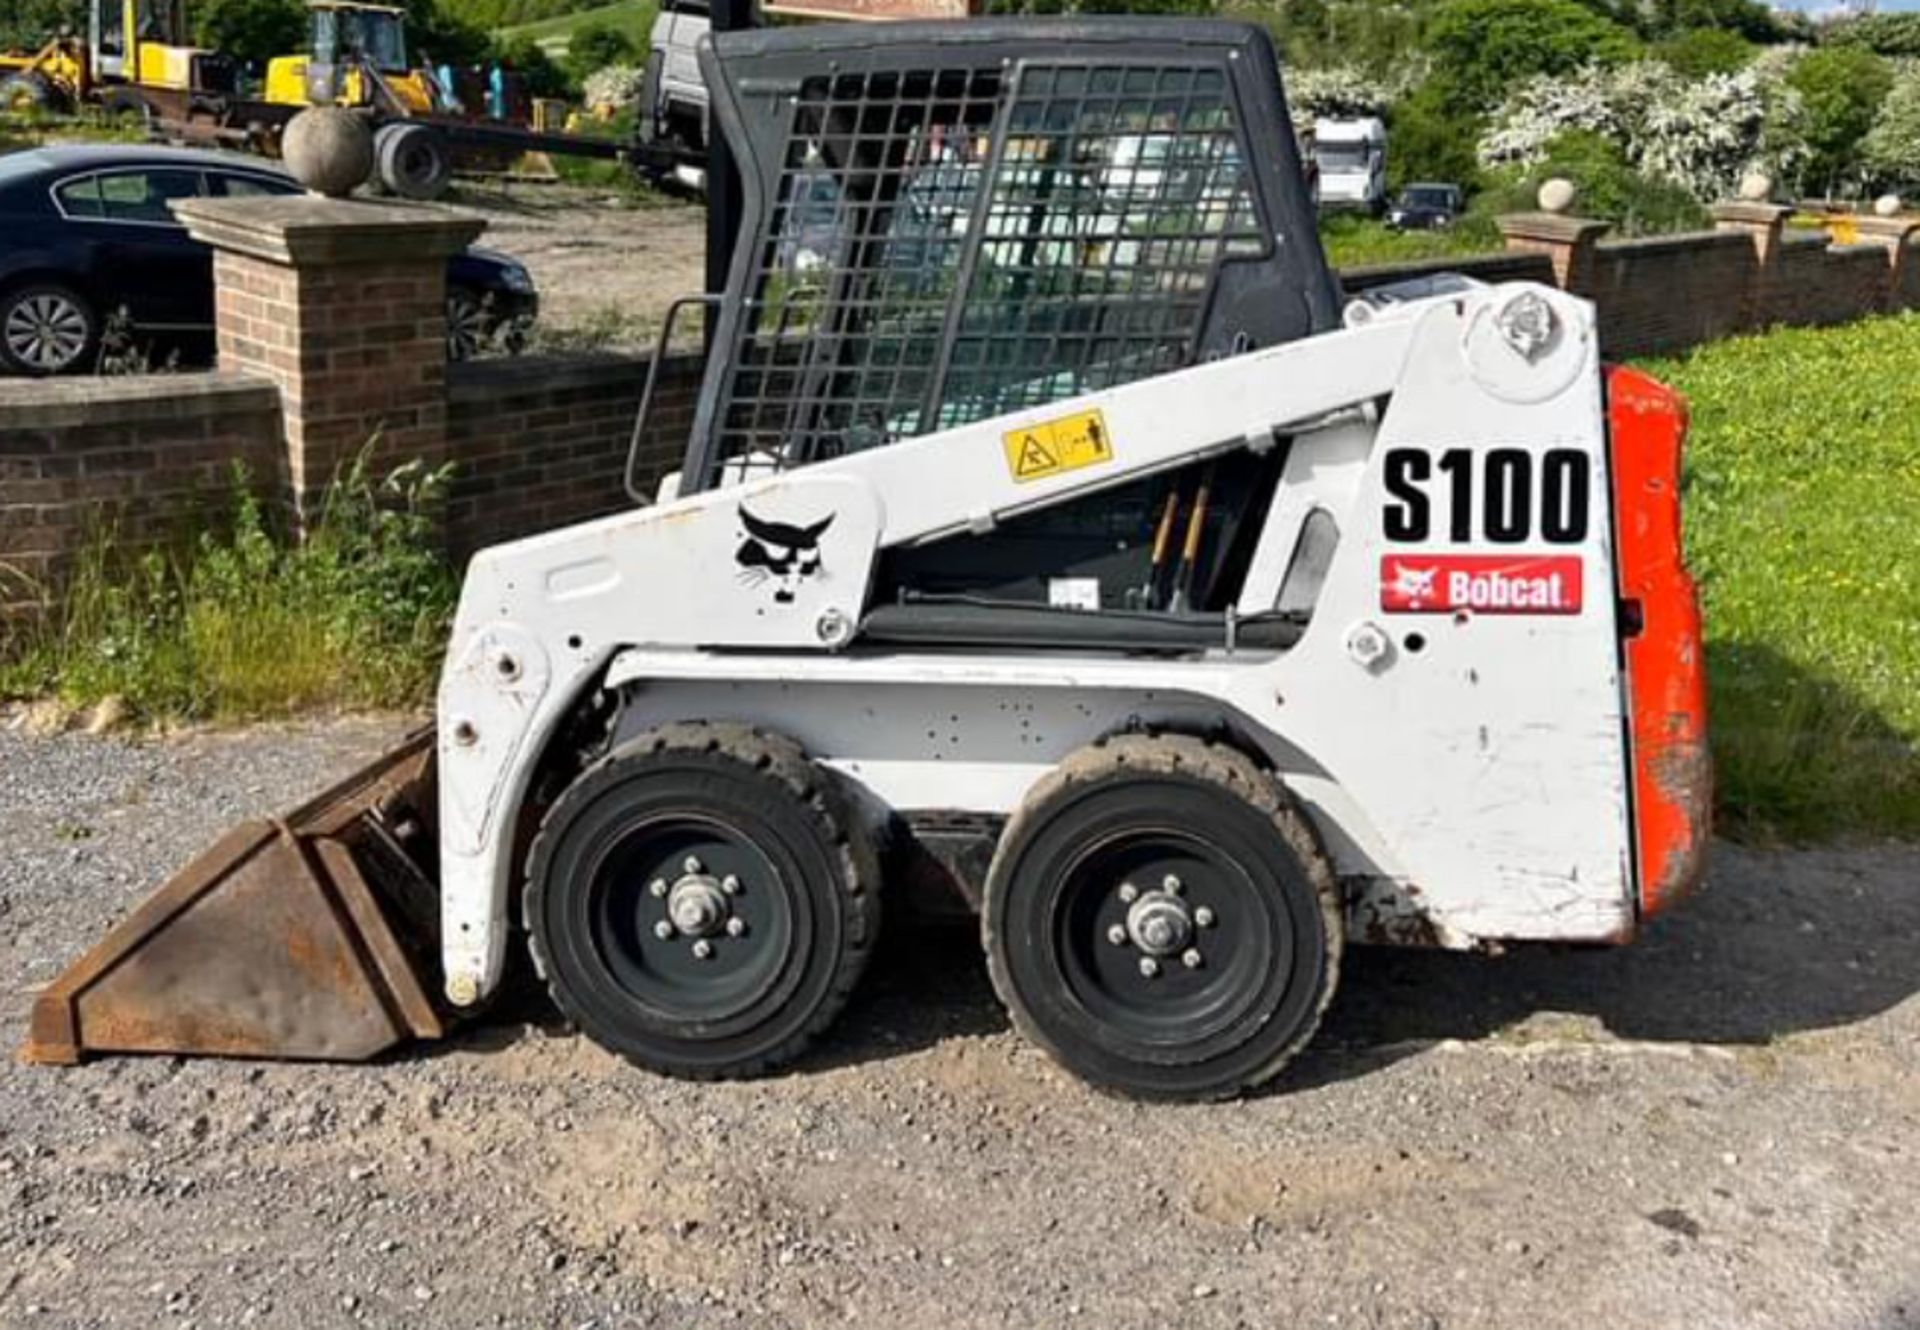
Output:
[[945, 248]]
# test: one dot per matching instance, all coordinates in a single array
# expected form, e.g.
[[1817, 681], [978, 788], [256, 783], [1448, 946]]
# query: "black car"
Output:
[[1426, 207], [91, 258]]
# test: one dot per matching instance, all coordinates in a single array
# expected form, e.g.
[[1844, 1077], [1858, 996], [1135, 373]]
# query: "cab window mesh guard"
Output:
[[944, 248]]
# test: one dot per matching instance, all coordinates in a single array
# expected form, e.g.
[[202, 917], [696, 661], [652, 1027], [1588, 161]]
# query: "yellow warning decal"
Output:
[[1052, 446]]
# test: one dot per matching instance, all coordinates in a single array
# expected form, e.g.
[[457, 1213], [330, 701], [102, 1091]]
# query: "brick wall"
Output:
[[143, 454], [1662, 294], [542, 442], [1511, 267], [1817, 284], [1666, 293], [368, 342]]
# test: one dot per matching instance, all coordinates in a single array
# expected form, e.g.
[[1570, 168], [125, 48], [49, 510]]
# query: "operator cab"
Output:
[[943, 227]]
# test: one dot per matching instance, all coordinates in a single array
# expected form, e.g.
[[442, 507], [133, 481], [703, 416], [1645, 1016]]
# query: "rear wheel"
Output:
[[47, 328], [412, 161], [700, 903], [1161, 919]]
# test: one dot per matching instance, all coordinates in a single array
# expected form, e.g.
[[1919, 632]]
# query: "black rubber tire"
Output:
[[813, 899], [1206, 1033], [412, 161], [85, 323], [28, 92]]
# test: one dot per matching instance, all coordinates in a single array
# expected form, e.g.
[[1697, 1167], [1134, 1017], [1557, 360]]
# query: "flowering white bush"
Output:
[[1335, 90], [1702, 134], [616, 86]]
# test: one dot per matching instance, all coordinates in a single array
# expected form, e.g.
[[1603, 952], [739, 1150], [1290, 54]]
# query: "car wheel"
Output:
[[47, 329], [469, 324]]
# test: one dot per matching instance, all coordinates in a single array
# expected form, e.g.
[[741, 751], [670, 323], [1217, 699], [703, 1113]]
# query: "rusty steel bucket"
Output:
[[312, 935]]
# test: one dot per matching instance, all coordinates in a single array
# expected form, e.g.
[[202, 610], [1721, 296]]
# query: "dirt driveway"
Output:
[[606, 266], [1717, 1128]]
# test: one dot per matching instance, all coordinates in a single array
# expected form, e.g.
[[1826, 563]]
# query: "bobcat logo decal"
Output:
[[778, 553], [1414, 584]]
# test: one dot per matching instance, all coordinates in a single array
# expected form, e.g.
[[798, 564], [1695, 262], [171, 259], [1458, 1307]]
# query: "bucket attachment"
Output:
[[306, 936]]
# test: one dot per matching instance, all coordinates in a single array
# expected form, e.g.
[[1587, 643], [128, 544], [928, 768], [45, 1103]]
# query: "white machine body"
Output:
[[1452, 717]]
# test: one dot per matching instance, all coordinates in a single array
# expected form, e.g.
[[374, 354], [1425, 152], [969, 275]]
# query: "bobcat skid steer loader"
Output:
[[1049, 532]]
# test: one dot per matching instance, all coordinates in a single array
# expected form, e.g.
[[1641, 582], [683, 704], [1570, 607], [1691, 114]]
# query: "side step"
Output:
[[278, 942]]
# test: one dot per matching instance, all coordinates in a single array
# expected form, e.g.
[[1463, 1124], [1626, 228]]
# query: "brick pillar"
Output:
[[1567, 241], [1764, 224], [343, 305], [1903, 264]]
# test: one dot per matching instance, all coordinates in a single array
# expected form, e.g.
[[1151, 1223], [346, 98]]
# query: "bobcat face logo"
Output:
[[778, 553], [1414, 584]]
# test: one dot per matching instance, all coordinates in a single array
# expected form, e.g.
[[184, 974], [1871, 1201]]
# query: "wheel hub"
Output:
[[697, 906], [1158, 923]]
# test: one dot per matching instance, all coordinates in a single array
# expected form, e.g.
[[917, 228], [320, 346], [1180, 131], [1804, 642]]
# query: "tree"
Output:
[[31, 24], [1841, 89], [1426, 141], [445, 38], [251, 31], [1891, 152], [1482, 49], [1883, 34], [1698, 52], [595, 46]]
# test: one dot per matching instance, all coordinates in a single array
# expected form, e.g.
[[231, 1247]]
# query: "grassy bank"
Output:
[[241, 622], [1803, 523]]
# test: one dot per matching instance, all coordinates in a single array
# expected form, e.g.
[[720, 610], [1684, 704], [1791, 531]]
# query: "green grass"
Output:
[[1802, 509], [633, 18], [1354, 241], [243, 623]]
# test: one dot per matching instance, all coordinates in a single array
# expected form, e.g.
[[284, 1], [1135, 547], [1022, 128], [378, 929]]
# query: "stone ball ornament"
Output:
[[1756, 187], [329, 149], [1887, 205], [1557, 195]]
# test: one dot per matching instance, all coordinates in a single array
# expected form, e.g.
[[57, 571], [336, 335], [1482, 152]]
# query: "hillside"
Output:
[[633, 18]]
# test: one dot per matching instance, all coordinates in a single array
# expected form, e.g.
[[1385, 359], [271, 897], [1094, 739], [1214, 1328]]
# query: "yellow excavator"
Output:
[[136, 58], [356, 56]]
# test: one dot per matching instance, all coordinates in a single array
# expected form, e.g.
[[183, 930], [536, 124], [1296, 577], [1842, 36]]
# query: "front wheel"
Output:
[[700, 901], [47, 328], [1161, 919]]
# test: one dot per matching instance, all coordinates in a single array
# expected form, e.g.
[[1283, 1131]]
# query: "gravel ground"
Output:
[[606, 268], [1718, 1127]]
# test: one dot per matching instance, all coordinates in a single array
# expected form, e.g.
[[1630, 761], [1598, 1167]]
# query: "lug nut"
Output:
[[1172, 885], [1117, 934], [692, 865], [657, 887], [1191, 958], [1149, 966], [730, 884], [1204, 917], [736, 927], [702, 949], [1129, 893], [663, 930]]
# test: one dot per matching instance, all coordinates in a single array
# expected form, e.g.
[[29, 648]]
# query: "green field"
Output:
[[634, 18], [1803, 524]]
